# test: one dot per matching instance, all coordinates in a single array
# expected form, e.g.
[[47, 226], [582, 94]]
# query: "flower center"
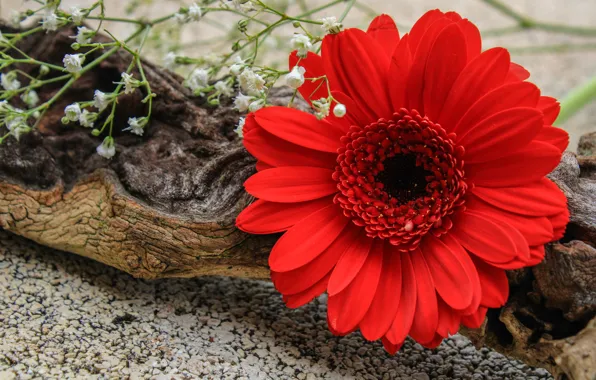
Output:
[[400, 178]]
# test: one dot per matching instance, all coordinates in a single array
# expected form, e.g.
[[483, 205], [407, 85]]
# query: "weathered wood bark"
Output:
[[165, 207]]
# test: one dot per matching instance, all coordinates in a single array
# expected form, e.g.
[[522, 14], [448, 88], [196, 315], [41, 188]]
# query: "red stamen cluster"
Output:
[[405, 213]]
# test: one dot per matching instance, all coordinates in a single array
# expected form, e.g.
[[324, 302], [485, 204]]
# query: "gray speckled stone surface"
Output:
[[64, 316]]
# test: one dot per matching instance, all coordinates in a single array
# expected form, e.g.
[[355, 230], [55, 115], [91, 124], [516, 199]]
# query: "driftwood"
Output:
[[165, 207]]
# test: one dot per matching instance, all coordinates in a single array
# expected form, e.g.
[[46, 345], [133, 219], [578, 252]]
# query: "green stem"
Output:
[[347, 10], [576, 99]]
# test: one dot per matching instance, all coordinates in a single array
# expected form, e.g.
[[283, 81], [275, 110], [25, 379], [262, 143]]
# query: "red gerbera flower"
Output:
[[408, 210]]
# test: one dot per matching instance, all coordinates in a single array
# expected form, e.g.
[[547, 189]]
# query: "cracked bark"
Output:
[[165, 207]]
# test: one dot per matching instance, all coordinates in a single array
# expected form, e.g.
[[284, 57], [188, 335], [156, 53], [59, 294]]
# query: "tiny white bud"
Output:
[[107, 148], [73, 63], [86, 118], [256, 105], [339, 110], [130, 83], [50, 22], [302, 44], [84, 35], [77, 15], [100, 100], [223, 88], [194, 12], [295, 78], [9, 81], [169, 61], [251, 82], [242, 102], [72, 112], [239, 128], [330, 25], [30, 98], [180, 18], [136, 125]]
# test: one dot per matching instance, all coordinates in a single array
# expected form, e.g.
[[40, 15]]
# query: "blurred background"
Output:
[[558, 62]]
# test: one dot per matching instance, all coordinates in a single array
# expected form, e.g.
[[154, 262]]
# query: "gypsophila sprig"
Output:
[[73, 63]]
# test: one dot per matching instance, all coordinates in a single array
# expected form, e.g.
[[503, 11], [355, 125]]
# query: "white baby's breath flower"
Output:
[[256, 105], [100, 100], [50, 22], [107, 149], [295, 78], [73, 63], [84, 35], [223, 88], [339, 110], [245, 5], [242, 102], [330, 25], [197, 80], [250, 82], [129, 82], [136, 125], [77, 15], [180, 18], [237, 67], [73, 112], [9, 81], [87, 119], [194, 12], [302, 44], [30, 98], [17, 126], [169, 61], [239, 128]]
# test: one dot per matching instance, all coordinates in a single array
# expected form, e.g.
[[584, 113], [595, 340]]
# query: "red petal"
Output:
[[296, 300], [483, 237], [291, 184], [554, 136], [307, 239], [473, 39], [536, 230], [382, 311], [390, 347], [500, 134], [439, 77], [434, 342], [539, 198], [525, 166], [349, 265], [300, 279], [299, 128], [355, 115], [495, 287], [404, 318], [427, 310], [421, 26], [401, 62], [448, 320], [260, 166], [264, 217], [474, 320], [383, 30], [510, 95], [313, 64], [550, 107], [278, 152], [559, 222], [484, 73], [517, 73], [416, 84], [449, 275], [466, 260], [357, 66], [346, 309], [536, 255]]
